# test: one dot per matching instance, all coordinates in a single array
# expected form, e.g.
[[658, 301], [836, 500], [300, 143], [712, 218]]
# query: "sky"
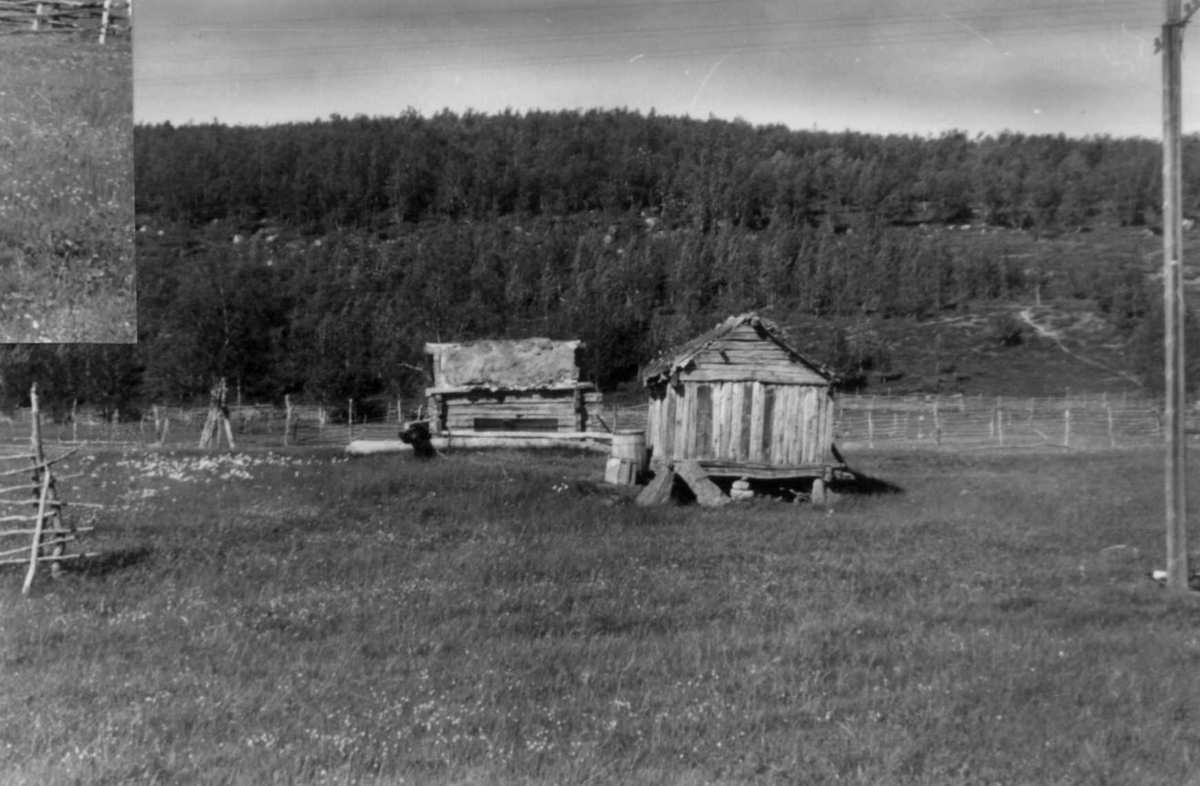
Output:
[[921, 67]]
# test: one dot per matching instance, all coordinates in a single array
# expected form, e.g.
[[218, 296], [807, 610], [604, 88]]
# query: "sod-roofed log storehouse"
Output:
[[513, 386], [743, 403]]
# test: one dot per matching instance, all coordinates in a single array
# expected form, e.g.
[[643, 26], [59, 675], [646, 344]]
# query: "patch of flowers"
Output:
[[196, 469]]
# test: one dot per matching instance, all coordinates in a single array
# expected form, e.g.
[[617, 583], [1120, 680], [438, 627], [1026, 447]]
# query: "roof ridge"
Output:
[[681, 355]]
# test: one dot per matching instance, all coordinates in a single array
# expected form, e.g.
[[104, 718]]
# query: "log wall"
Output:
[[566, 410]]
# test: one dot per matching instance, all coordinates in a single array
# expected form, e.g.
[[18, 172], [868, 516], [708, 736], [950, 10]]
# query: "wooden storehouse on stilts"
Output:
[[744, 404], [528, 385]]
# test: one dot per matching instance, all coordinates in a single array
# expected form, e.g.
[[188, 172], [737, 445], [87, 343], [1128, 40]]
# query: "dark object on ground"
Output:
[[849, 481], [417, 434], [109, 562]]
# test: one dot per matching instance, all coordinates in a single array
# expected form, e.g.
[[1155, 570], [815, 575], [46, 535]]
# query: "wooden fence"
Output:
[[861, 422], [103, 17], [44, 528], [966, 422], [970, 422]]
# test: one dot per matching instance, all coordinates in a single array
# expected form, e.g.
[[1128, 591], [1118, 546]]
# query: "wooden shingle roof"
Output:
[[681, 358]]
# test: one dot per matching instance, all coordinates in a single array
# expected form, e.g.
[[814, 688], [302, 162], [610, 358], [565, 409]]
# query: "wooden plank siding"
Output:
[[702, 443], [743, 355], [741, 422]]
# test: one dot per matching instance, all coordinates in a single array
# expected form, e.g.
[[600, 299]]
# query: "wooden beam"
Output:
[[659, 490], [707, 493]]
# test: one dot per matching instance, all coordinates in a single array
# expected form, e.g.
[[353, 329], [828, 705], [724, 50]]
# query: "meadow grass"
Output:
[[67, 270], [505, 618]]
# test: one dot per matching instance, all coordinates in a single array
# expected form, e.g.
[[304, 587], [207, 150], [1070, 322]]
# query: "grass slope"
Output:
[[66, 191], [502, 618]]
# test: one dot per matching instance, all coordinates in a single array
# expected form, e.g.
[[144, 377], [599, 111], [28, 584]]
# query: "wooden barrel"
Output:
[[630, 446]]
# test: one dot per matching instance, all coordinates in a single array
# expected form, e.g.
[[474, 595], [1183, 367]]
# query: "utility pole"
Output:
[[1176, 463]]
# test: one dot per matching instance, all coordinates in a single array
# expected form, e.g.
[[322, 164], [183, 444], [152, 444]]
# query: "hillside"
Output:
[[1071, 332], [316, 259]]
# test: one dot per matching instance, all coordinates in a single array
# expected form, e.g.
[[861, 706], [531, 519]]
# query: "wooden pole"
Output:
[[37, 537], [1173, 311], [48, 495], [224, 414], [937, 422], [1067, 427], [104, 19]]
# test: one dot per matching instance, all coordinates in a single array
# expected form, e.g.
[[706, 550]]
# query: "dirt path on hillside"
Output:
[[1045, 331]]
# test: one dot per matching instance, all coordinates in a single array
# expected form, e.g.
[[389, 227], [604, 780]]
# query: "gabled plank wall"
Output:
[[783, 425]]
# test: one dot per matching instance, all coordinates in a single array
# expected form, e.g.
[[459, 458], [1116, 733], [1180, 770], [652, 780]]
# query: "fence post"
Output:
[[1112, 442], [1067, 427], [350, 418], [104, 18], [870, 427], [287, 419], [937, 422]]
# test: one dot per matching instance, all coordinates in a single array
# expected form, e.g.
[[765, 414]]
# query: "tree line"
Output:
[[368, 172]]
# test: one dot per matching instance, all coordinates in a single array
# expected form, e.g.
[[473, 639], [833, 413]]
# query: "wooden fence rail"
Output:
[[46, 529], [67, 16]]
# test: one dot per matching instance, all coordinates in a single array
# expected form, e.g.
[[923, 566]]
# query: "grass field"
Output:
[[67, 269], [504, 618]]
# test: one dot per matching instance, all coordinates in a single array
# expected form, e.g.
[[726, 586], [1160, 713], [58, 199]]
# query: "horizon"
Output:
[[905, 67], [971, 137]]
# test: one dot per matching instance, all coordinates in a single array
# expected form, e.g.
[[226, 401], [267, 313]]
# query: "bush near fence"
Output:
[[861, 422]]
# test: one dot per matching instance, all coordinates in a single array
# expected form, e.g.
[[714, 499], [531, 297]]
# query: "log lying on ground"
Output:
[[490, 439]]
